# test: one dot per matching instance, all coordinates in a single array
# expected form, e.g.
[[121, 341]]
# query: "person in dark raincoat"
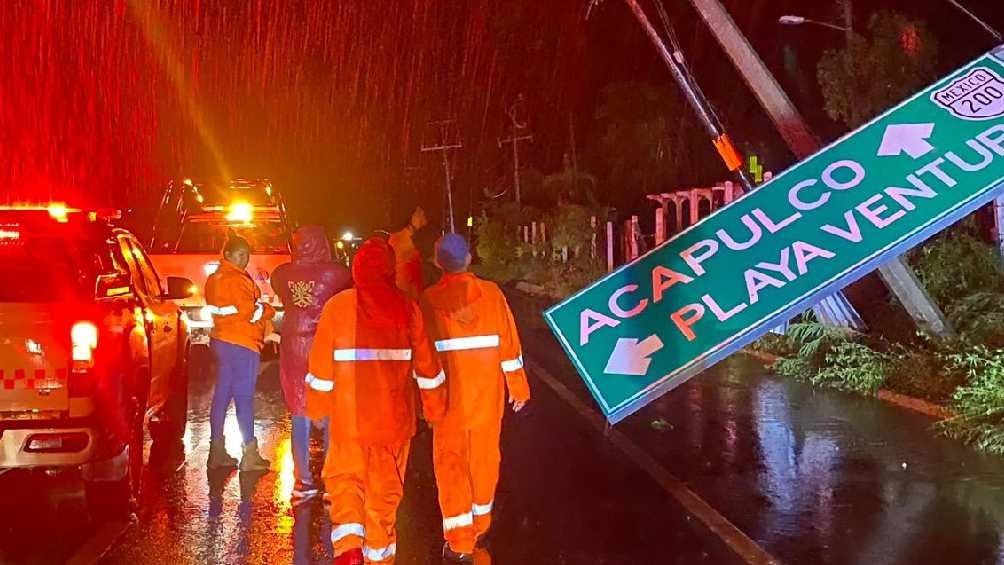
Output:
[[304, 286]]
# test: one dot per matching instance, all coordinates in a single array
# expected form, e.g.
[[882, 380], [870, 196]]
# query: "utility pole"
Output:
[[989, 29], [833, 310], [519, 133], [444, 146], [896, 273], [847, 7], [719, 138]]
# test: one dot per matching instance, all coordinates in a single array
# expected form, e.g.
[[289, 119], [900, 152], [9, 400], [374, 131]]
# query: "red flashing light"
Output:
[[84, 337]]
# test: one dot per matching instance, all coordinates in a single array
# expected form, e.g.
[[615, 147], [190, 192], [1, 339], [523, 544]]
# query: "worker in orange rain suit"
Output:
[[408, 261], [474, 332], [304, 285], [370, 352], [239, 321]]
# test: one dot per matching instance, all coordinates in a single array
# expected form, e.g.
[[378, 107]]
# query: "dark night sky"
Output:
[[104, 100]]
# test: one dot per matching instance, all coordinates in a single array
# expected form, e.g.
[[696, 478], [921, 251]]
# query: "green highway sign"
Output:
[[717, 286]]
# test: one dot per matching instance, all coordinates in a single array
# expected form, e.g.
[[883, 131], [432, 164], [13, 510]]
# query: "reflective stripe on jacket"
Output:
[[475, 335], [364, 378]]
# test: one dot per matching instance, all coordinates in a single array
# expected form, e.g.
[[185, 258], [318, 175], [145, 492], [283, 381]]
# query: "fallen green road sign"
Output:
[[712, 289]]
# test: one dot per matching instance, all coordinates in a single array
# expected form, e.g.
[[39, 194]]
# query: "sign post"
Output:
[[654, 323]]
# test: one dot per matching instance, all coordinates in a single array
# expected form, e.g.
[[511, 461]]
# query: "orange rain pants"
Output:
[[365, 484], [467, 471]]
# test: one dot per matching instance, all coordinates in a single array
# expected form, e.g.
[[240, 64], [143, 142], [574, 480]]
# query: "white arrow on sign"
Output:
[[631, 357], [906, 138]]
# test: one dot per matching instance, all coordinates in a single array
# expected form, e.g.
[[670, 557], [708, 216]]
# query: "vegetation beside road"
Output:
[[966, 278]]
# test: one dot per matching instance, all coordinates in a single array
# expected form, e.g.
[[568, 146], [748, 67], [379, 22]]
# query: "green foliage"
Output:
[[643, 143], [920, 371], [872, 73], [499, 250], [852, 367], [979, 404], [562, 279], [957, 265], [812, 349], [814, 340], [570, 185], [794, 368], [569, 230], [979, 318], [503, 258], [774, 344]]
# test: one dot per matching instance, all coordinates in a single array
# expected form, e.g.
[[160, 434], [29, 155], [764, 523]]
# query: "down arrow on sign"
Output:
[[631, 357]]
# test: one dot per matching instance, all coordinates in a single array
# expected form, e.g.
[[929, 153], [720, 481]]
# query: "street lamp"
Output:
[[348, 236], [790, 20]]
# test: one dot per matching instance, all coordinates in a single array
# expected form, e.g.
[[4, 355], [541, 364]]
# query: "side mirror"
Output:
[[112, 285], [179, 288]]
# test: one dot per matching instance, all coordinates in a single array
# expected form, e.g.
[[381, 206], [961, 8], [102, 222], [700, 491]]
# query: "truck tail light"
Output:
[[84, 336]]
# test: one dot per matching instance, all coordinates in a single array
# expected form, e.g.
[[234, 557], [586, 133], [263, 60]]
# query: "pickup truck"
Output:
[[192, 227], [93, 348]]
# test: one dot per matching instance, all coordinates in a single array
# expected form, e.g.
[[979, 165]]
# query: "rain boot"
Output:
[[218, 456], [252, 460], [450, 556]]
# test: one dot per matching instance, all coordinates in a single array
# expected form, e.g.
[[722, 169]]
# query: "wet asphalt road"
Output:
[[566, 497], [810, 476], [813, 476]]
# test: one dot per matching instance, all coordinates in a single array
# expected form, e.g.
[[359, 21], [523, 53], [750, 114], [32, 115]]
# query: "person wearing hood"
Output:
[[369, 355], [476, 338], [304, 286], [239, 320]]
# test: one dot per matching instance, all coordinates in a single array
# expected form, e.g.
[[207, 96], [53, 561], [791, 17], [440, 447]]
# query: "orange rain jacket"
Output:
[[474, 331], [238, 316], [369, 354]]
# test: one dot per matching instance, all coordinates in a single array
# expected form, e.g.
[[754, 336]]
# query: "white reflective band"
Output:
[[429, 384], [322, 385], [511, 365], [462, 343], [482, 509], [259, 311], [454, 522], [379, 553], [222, 310], [372, 355], [347, 530]]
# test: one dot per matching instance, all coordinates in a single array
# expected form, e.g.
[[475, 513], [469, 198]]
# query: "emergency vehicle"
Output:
[[192, 225], [92, 349]]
